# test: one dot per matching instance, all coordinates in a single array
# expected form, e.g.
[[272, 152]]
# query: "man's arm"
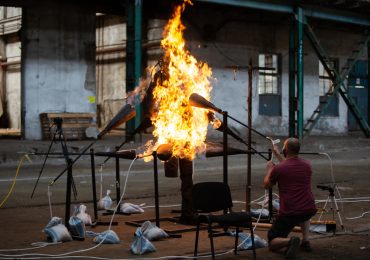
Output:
[[276, 152], [267, 180]]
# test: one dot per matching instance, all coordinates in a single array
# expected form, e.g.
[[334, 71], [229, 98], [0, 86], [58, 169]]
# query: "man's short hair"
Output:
[[293, 146]]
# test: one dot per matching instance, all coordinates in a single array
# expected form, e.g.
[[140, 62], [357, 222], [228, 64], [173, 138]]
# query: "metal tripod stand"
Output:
[[58, 136], [333, 203]]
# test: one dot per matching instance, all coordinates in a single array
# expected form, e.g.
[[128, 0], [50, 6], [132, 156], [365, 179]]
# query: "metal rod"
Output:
[[43, 164], [292, 73], [93, 181], [249, 166], [225, 145], [156, 192], [236, 120], [270, 192], [72, 162], [347, 17], [118, 182], [300, 72], [68, 193]]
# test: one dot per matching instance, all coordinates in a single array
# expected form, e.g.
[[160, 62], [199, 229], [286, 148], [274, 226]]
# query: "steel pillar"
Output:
[[368, 82], [300, 71], [138, 55], [292, 79], [133, 58]]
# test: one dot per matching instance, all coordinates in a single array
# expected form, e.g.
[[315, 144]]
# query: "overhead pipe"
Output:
[[285, 8]]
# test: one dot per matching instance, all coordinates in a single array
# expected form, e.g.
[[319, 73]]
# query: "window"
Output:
[[269, 85], [268, 79], [326, 87]]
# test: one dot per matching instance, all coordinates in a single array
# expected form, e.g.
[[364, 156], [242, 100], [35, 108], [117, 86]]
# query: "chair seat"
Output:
[[241, 219]]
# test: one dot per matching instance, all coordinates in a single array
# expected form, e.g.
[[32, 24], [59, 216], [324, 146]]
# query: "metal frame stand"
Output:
[[59, 136], [95, 203], [157, 219], [333, 204]]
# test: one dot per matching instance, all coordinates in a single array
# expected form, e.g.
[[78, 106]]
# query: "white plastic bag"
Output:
[[130, 208], [77, 227], [245, 241], [81, 214], [106, 202], [152, 232], [107, 237], [140, 244], [56, 231]]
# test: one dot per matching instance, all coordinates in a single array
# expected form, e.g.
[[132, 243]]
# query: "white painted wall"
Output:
[[13, 84], [52, 78], [110, 67], [58, 63]]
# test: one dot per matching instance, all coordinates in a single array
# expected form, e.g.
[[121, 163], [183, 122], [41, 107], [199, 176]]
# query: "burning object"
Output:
[[175, 121]]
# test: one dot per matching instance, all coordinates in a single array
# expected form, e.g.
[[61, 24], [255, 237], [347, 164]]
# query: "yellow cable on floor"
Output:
[[15, 179]]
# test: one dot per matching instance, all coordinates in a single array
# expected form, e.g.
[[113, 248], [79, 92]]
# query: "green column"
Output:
[[300, 20], [133, 57], [292, 72], [130, 56], [368, 82], [137, 47]]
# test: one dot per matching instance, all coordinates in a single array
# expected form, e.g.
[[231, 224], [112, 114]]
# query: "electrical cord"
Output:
[[15, 179], [64, 255], [68, 254]]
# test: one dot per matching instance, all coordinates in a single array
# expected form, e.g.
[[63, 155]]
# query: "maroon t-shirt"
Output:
[[294, 181]]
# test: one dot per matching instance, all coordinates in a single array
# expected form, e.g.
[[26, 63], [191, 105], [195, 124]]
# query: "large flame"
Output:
[[175, 122]]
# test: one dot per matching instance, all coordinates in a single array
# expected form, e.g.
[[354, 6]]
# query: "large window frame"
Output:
[[269, 84]]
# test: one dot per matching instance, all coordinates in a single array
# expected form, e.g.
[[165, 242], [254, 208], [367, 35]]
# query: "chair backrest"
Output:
[[211, 196]]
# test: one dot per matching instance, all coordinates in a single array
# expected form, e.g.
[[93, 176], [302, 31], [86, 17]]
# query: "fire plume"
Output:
[[175, 121]]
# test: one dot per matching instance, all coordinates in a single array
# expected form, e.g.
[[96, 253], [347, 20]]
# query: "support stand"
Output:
[[59, 136], [157, 218], [95, 203], [250, 68], [333, 203]]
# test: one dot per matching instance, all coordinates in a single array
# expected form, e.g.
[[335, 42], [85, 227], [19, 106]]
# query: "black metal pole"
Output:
[[43, 164], [68, 193], [270, 192], [93, 184], [249, 167], [118, 182], [156, 193], [225, 155]]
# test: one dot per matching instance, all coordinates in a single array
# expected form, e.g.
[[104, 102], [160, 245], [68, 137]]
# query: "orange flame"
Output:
[[176, 122]]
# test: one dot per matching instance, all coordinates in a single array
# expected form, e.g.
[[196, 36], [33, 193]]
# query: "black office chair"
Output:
[[211, 197]]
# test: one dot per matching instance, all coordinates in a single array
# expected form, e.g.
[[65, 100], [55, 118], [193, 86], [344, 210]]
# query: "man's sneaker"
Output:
[[306, 246], [293, 247]]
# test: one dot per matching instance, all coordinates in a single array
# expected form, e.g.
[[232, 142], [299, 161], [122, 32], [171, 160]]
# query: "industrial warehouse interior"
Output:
[[114, 114]]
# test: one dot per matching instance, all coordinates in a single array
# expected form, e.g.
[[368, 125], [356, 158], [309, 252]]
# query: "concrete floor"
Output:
[[22, 218]]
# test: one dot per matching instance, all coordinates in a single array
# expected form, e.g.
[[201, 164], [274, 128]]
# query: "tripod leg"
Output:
[[324, 208], [68, 160], [43, 164], [334, 202]]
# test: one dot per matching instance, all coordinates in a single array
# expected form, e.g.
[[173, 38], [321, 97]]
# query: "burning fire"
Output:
[[175, 121]]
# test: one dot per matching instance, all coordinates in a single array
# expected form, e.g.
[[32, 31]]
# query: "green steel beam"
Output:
[[346, 17], [300, 72], [275, 7], [138, 55], [130, 59], [368, 82], [292, 72]]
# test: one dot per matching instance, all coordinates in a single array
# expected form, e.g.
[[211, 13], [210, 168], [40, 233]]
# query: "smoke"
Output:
[[139, 93]]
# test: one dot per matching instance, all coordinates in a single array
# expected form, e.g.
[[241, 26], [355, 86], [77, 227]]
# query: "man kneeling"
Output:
[[297, 204]]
